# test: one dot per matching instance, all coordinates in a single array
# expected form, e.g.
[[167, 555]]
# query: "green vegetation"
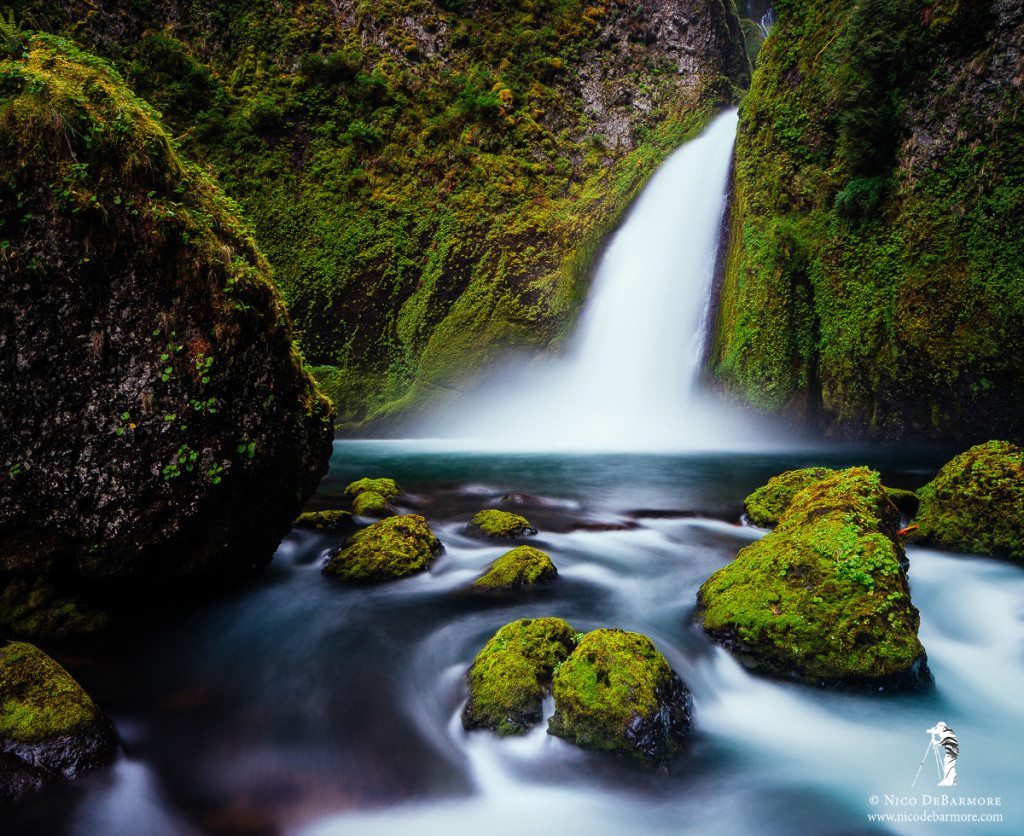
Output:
[[510, 675], [500, 525], [976, 502], [428, 181], [616, 692], [332, 520], [32, 609], [522, 566], [39, 701], [822, 598], [386, 488], [371, 504], [875, 273], [393, 548]]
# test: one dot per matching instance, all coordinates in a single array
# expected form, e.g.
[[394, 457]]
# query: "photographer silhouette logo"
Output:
[[945, 748]]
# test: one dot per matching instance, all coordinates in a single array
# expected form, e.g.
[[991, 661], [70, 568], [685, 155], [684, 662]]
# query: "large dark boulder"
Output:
[[156, 421]]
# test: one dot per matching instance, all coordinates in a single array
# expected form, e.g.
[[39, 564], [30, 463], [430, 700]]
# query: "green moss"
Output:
[[39, 700], [331, 520], [510, 675], [500, 525], [522, 566], [32, 609], [393, 548], [753, 38], [371, 504], [386, 488], [766, 505], [976, 502], [822, 598], [616, 692]]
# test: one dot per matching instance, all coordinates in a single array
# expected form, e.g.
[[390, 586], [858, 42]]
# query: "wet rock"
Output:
[[500, 525], [617, 693], [509, 677], [976, 502], [330, 520], [35, 609], [522, 566], [387, 488], [50, 730], [371, 504], [823, 598], [526, 500], [393, 548]]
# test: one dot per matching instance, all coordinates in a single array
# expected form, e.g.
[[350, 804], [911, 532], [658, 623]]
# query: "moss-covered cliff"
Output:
[[429, 180], [156, 422], [874, 283]]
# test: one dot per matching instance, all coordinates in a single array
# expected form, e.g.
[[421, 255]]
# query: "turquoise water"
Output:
[[299, 705]]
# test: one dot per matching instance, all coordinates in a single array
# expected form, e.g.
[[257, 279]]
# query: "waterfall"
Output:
[[628, 379]]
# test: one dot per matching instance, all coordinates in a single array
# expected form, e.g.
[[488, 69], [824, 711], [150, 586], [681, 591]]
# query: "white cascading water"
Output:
[[629, 378]]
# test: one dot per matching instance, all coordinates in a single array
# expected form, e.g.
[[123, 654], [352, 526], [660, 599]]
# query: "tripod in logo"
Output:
[[943, 746]]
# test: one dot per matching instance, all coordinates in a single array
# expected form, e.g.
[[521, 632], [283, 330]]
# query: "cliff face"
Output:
[[156, 423], [429, 180], [874, 282]]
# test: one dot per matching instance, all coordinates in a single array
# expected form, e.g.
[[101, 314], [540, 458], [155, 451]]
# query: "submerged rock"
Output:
[[158, 425], [393, 548], [976, 502], [500, 525], [823, 598], [49, 727], [617, 693], [371, 504], [522, 566], [509, 677], [330, 520], [387, 488]]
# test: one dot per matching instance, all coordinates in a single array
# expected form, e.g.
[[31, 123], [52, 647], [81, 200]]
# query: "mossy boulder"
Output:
[[522, 566], [34, 609], [509, 677], [387, 488], [617, 693], [371, 504], [765, 506], [823, 598], [158, 425], [330, 520], [393, 548], [49, 727], [499, 525], [976, 502]]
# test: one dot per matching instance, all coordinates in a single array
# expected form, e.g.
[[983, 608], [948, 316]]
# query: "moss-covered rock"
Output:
[[976, 502], [522, 566], [509, 677], [49, 727], [499, 525], [765, 506], [33, 609], [330, 520], [393, 548], [823, 598], [178, 435], [387, 488], [617, 693], [906, 501], [371, 504]]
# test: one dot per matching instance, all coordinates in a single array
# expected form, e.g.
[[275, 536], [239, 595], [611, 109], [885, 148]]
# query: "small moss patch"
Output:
[[522, 566], [499, 524], [976, 502], [616, 692], [393, 548], [764, 506], [39, 700], [332, 520], [387, 488], [823, 598], [510, 675]]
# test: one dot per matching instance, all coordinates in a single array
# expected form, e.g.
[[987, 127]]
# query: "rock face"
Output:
[[617, 693], [976, 502], [823, 598], [522, 566], [429, 183], [49, 727], [156, 421], [874, 281], [510, 676], [499, 525], [393, 548]]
